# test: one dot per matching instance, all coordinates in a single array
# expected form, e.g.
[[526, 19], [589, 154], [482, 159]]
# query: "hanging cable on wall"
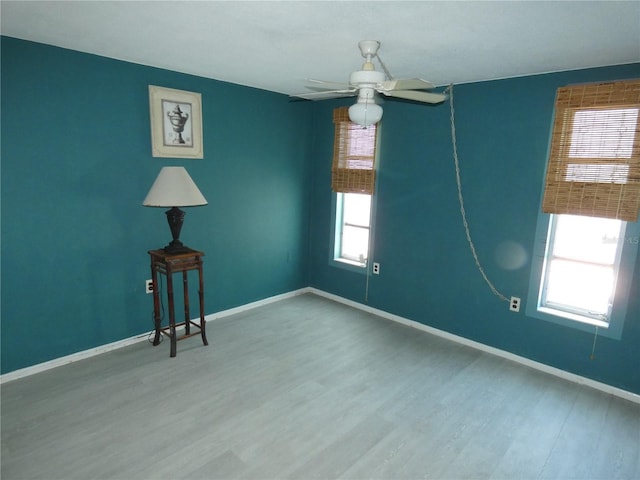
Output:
[[593, 347], [495, 291]]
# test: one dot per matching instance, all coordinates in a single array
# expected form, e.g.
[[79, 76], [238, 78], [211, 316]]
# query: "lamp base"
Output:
[[176, 246], [175, 217]]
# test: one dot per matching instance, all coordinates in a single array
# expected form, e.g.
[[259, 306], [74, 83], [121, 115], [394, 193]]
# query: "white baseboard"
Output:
[[24, 372], [74, 357], [92, 352], [256, 304], [618, 392]]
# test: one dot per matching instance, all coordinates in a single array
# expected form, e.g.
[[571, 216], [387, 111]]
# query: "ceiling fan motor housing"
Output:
[[366, 95], [364, 78]]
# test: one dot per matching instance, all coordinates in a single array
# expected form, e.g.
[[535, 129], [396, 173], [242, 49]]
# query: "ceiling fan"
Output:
[[366, 83]]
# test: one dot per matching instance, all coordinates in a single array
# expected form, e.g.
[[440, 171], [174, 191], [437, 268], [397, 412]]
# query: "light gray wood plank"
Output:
[[618, 443], [309, 388], [535, 435]]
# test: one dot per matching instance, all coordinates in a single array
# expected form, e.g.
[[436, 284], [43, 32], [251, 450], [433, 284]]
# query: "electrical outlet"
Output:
[[148, 286], [376, 268], [514, 304]]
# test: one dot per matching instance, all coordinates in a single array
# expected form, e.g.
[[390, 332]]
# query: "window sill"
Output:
[[574, 321], [349, 265], [574, 317]]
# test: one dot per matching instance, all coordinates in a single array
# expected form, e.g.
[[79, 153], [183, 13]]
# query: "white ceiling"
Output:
[[277, 45]]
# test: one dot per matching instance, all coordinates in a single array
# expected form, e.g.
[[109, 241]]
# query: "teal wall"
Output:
[[427, 271], [76, 165]]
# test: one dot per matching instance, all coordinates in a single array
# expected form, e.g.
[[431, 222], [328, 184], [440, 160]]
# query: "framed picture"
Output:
[[176, 123]]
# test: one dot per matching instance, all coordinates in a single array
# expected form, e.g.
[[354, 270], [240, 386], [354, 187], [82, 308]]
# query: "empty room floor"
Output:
[[309, 388]]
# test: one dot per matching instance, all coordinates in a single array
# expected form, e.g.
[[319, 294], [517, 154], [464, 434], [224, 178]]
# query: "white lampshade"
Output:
[[365, 114], [174, 188]]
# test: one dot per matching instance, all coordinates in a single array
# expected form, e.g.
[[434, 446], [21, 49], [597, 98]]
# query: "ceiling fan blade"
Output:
[[326, 95], [425, 97], [321, 84], [407, 84]]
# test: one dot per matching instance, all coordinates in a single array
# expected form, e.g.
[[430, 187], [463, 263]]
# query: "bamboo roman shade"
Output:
[[594, 159], [354, 153]]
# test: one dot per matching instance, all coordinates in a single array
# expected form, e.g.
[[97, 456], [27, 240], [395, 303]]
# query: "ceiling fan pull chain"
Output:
[[384, 67]]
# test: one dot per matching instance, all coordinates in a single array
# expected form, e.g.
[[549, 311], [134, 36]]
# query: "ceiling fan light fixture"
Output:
[[365, 113]]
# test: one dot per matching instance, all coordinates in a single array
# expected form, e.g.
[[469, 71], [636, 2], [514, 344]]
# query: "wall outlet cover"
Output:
[[514, 304]]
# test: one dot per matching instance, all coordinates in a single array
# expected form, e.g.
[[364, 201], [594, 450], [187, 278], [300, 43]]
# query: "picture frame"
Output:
[[176, 123]]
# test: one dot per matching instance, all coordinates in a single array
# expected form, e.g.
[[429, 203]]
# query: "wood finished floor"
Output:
[[306, 388]]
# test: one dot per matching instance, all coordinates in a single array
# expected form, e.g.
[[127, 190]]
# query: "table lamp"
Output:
[[174, 188]]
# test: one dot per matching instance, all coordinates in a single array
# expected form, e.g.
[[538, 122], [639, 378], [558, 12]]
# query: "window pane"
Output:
[[355, 243], [362, 141], [586, 287], [588, 239], [597, 173], [605, 133], [356, 209]]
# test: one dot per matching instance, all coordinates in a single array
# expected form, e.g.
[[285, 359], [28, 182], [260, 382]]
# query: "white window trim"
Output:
[[623, 284], [577, 314], [334, 258]]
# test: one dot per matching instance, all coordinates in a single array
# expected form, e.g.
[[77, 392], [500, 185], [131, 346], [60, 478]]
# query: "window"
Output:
[[353, 214], [354, 155], [581, 267], [594, 158], [582, 271], [353, 181], [592, 191]]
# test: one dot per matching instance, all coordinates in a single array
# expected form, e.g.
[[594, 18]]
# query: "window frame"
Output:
[[624, 278], [597, 194], [335, 242], [575, 312], [337, 232]]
